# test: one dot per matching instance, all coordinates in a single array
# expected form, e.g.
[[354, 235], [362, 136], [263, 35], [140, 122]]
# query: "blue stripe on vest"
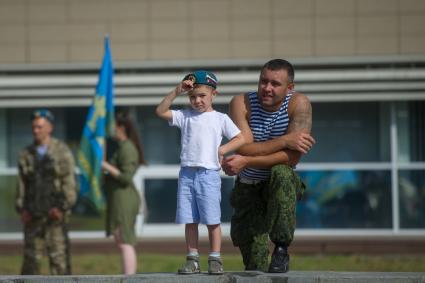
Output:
[[265, 126]]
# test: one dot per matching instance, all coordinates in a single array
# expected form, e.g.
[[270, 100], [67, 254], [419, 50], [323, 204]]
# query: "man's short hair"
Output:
[[281, 64]]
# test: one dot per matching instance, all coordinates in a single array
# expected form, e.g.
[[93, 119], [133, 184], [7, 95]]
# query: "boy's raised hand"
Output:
[[185, 86], [163, 109]]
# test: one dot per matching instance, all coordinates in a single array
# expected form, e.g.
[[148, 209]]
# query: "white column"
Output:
[[394, 170], [3, 140]]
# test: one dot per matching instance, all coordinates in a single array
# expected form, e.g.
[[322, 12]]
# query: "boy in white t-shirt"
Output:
[[199, 189]]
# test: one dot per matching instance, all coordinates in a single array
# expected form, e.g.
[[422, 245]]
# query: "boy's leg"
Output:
[[214, 235], [187, 213], [192, 258], [191, 235], [215, 265], [208, 198]]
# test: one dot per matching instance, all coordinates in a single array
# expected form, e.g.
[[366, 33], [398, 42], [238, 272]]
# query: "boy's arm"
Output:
[[163, 109], [231, 145]]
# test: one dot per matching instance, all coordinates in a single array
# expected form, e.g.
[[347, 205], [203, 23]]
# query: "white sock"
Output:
[[193, 253], [214, 254]]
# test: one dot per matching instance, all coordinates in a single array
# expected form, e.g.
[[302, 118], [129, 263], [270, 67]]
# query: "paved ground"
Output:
[[290, 277]]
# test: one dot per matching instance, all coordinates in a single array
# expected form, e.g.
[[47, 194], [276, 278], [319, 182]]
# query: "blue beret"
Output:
[[43, 113], [202, 77]]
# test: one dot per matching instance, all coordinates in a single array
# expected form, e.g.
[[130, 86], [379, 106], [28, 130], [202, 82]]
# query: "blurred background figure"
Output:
[[123, 200], [46, 192]]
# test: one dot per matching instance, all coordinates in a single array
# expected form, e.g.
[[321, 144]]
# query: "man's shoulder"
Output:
[[59, 148], [241, 101], [298, 98], [26, 151], [243, 96], [58, 143]]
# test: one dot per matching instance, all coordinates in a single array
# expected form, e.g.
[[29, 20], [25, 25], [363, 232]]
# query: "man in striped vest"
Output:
[[276, 122]]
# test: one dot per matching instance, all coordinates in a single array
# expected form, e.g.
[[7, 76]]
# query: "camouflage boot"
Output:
[[280, 259]]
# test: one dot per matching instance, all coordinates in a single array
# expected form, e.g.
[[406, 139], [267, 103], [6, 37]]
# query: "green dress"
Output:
[[123, 200]]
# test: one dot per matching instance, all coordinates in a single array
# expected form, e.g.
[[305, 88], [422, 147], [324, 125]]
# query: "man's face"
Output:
[[41, 130], [201, 98], [272, 88]]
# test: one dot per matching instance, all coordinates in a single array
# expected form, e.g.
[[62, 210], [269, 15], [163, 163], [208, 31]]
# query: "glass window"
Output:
[[345, 199], [350, 132], [161, 200], [161, 143], [9, 218], [412, 198], [411, 131]]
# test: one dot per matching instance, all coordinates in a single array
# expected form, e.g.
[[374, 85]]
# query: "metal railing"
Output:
[[171, 230]]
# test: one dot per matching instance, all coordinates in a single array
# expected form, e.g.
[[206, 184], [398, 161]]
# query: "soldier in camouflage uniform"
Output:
[[276, 122], [46, 192]]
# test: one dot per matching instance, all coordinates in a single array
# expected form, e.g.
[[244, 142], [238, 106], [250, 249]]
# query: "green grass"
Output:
[[110, 263]]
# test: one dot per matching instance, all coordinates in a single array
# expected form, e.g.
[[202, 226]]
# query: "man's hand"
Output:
[[299, 141], [55, 214], [25, 217], [234, 164]]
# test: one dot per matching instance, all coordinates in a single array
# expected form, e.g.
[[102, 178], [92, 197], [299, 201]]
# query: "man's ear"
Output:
[[291, 86], [214, 93], [51, 127]]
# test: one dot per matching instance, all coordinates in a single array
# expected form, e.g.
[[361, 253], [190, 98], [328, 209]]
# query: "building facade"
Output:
[[361, 63]]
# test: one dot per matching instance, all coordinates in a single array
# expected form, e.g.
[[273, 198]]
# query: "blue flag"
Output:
[[100, 123]]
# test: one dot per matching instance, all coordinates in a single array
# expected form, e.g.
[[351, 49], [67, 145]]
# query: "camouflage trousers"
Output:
[[262, 211], [43, 235]]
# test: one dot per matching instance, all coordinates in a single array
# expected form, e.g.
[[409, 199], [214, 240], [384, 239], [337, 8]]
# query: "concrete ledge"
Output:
[[290, 277]]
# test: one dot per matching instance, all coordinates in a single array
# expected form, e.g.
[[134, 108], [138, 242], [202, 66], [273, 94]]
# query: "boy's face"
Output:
[[201, 98]]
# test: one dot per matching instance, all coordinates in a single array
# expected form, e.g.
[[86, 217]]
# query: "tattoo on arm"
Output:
[[301, 116]]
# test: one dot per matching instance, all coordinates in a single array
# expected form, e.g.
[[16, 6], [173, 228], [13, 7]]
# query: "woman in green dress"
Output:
[[123, 200]]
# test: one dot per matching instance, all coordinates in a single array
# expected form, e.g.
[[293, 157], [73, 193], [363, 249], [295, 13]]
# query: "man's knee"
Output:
[[255, 253]]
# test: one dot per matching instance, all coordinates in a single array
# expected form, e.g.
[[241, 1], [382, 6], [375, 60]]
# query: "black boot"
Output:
[[280, 259]]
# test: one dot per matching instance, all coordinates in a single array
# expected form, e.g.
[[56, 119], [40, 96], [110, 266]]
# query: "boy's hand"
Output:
[[184, 86]]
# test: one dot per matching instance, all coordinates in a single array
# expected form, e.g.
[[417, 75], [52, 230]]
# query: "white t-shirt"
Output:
[[201, 136]]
